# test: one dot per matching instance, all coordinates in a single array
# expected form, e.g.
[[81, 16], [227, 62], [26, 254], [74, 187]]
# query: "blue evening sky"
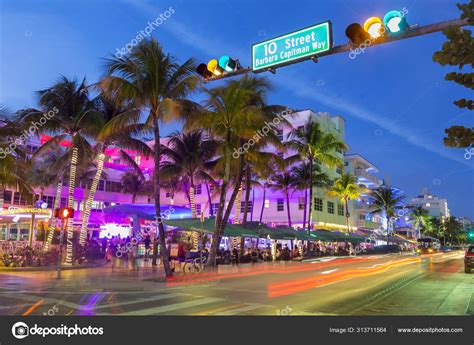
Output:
[[394, 98]]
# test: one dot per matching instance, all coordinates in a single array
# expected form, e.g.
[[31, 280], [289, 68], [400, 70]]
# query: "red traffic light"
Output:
[[203, 71], [64, 213], [356, 34]]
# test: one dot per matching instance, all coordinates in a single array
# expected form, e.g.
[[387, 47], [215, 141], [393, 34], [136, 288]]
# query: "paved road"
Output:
[[366, 285]]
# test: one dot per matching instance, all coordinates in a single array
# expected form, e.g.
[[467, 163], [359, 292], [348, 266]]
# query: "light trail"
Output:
[[294, 286], [33, 307], [252, 271]]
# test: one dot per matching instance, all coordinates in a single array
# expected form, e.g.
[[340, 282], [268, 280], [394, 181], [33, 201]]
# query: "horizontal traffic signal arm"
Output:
[[414, 32]]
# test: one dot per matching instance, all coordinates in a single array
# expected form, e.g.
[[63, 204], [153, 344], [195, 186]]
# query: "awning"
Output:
[[208, 226]]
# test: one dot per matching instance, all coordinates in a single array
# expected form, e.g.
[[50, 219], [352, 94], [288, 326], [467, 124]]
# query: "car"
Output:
[[426, 250], [469, 259]]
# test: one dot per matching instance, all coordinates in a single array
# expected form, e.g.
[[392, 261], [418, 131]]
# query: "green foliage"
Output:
[[458, 51]]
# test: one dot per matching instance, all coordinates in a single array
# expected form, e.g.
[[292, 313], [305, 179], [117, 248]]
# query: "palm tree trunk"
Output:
[[263, 201], [238, 205], [347, 215], [211, 211], [157, 191], [388, 230], [305, 206], [222, 218], [310, 211], [134, 197], [192, 202], [90, 199], [70, 203], [216, 237], [247, 195], [57, 201], [253, 204], [288, 208]]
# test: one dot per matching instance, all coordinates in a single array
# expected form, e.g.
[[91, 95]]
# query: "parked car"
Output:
[[469, 259]]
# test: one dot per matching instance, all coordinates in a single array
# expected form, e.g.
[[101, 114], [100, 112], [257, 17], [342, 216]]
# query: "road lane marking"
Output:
[[330, 271], [140, 300], [171, 307], [240, 310]]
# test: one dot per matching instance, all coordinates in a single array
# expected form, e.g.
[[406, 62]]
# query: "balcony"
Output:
[[366, 177], [367, 224]]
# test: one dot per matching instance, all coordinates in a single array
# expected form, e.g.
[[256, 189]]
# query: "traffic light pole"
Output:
[[61, 235], [414, 32]]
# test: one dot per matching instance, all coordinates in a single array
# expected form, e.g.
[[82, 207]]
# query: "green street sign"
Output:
[[292, 47]]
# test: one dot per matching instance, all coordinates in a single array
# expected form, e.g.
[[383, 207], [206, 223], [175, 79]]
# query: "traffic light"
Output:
[[215, 68], [356, 34], [203, 71], [64, 213], [393, 23], [374, 27]]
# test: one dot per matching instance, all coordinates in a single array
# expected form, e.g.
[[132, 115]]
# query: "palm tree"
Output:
[[453, 229], [153, 81], [420, 219], [284, 181], [386, 200], [135, 185], [229, 117], [189, 156], [106, 137], [435, 228], [76, 120], [312, 144], [302, 178], [346, 188], [13, 168]]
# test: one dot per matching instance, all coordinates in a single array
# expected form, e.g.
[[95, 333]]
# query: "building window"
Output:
[[249, 208], [301, 203], [330, 207], [169, 194], [280, 205], [7, 196], [211, 188], [340, 210], [18, 200], [198, 189], [96, 205], [267, 203], [198, 209], [361, 216], [101, 185], [318, 204], [339, 171], [215, 207]]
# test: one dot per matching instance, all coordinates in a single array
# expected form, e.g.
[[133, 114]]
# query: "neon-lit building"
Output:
[[327, 213]]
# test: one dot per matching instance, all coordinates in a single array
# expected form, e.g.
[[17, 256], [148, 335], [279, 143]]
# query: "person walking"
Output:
[[147, 242]]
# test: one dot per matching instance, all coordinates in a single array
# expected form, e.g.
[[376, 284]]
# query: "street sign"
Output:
[[292, 47]]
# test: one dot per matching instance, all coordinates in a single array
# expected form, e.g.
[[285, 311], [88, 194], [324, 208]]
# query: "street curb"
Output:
[[49, 268]]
